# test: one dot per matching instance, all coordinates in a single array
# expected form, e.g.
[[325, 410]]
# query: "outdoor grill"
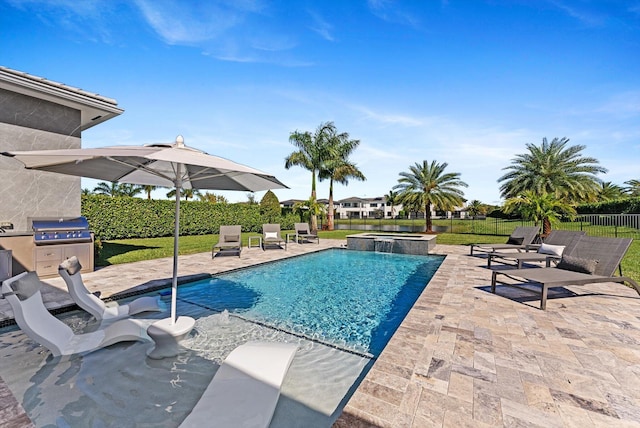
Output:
[[60, 230]]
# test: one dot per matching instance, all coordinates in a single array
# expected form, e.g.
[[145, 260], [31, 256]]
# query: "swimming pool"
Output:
[[118, 386], [350, 299]]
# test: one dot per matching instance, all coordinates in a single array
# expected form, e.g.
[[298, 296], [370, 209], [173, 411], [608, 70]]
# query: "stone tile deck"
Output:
[[463, 356]]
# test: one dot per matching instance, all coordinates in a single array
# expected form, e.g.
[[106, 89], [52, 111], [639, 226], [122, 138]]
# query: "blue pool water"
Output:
[[350, 299]]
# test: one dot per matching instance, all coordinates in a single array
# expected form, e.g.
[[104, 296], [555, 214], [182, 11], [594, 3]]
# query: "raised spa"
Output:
[[392, 243]]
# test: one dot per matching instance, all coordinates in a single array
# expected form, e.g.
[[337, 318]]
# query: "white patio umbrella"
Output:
[[167, 165]]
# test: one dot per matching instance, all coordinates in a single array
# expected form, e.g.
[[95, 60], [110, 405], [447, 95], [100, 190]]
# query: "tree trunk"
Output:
[[427, 215], [330, 210], [312, 216], [546, 227]]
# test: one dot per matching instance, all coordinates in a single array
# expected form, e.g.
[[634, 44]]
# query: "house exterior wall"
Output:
[[28, 123]]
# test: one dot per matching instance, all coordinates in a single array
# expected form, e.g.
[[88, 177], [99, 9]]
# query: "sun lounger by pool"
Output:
[[69, 270], [558, 242], [244, 391], [303, 234], [592, 260], [229, 241], [23, 294], [521, 237], [271, 236]]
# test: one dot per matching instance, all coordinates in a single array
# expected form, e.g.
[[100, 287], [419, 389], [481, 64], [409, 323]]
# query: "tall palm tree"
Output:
[[311, 154], [337, 167], [553, 168], [542, 208], [391, 198], [427, 185], [634, 187], [610, 192]]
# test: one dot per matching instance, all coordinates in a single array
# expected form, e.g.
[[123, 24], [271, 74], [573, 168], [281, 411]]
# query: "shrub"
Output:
[[126, 217]]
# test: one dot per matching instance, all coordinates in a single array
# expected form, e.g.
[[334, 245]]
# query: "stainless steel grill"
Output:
[[60, 230]]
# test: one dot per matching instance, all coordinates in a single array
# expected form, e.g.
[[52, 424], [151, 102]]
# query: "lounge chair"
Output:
[[551, 250], [244, 391], [69, 270], [303, 234], [271, 235], [230, 241], [592, 260], [23, 294], [521, 237]]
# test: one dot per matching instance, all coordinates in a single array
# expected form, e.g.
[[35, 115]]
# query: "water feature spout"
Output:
[[383, 245]]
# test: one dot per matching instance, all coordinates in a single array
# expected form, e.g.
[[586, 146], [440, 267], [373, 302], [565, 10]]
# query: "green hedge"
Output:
[[125, 217], [621, 206]]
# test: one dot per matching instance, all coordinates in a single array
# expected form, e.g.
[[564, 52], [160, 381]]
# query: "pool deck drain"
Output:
[[462, 356]]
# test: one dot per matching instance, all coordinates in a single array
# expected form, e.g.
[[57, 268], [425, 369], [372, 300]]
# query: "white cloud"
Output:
[[391, 11], [623, 105], [387, 118], [322, 27]]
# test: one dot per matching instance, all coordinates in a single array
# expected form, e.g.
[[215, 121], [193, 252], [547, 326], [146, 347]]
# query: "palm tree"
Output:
[[475, 207], [553, 168], [186, 193], [307, 209], [541, 208], [311, 154], [634, 187], [337, 167], [392, 199], [610, 192], [428, 186], [148, 190], [116, 189]]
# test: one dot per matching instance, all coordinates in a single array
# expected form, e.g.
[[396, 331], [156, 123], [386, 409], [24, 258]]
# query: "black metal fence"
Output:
[[613, 225]]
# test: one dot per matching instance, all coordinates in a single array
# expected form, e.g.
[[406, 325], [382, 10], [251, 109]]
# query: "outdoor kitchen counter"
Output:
[[14, 233]]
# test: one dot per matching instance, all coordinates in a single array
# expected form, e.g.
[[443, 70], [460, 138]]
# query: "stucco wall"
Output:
[[27, 123]]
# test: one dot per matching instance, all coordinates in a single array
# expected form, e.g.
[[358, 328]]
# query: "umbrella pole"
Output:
[[176, 236]]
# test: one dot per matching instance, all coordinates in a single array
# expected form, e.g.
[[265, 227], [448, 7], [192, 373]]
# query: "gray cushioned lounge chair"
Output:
[[600, 256], [229, 241], [557, 238], [271, 236], [521, 237], [303, 234]]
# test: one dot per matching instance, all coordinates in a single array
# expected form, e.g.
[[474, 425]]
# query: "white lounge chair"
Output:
[[69, 270], [23, 294], [244, 391]]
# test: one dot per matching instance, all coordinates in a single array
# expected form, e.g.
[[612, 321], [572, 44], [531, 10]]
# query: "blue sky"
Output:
[[467, 82]]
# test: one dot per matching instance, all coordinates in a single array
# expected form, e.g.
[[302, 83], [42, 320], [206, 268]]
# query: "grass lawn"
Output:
[[133, 250]]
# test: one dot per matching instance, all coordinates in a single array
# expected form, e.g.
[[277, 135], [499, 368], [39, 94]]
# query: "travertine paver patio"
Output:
[[463, 356]]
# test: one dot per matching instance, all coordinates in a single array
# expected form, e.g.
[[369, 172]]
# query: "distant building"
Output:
[[373, 208], [379, 208]]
